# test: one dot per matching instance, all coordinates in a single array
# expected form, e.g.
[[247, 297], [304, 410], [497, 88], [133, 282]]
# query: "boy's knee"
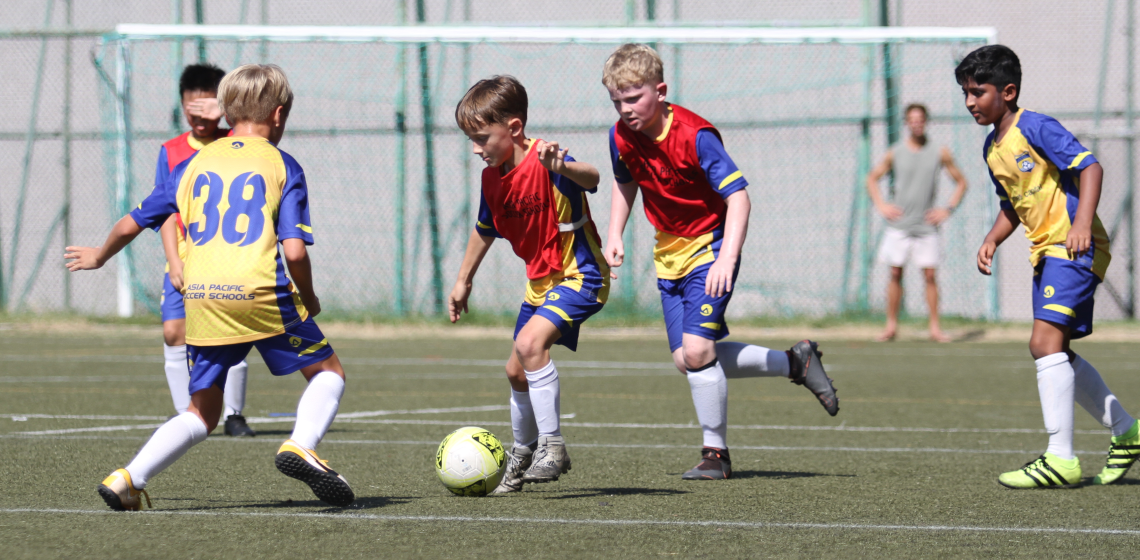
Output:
[[173, 334], [699, 356], [528, 346], [679, 361]]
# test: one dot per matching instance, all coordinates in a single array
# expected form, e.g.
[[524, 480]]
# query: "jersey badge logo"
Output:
[[706, 310], [238, 145], [1049, 292], [552, 296], [295, 341], [1025, 162]]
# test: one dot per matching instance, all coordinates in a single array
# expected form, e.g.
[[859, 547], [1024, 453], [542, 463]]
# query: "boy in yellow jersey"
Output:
[[198, 83], [239, 197], [695, 196], [1049, 182], [533, 195]]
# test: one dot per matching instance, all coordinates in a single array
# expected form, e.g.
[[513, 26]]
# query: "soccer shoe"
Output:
[[236, 426], [303, 464], [714, 465], [120, 494], [550, 461], [807, 370], [519, 460], [1123, 452], [1046, 471]]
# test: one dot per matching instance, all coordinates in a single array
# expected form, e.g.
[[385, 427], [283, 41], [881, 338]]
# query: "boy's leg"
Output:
[[304, 347], [175, 365], [1055, 384], [1096, 398], [523, 427], [235, 402]]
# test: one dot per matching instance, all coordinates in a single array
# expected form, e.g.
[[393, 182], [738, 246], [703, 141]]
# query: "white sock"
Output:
[[235, 389], [169, 442], [317, 408], [1055, 380], [177, 376], [739, 360], [522, 419], [1094, 396], [710, 396], [545, 397]]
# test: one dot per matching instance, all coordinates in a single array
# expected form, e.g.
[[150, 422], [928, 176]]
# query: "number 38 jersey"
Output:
[[238, 197]]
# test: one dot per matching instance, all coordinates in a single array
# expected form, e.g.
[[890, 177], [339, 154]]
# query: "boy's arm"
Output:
[[935, 216], [169, 234], [1079, 239], [719, 279], [889, 211], [477, 247], [301, 273], [554, 159], [91, 258], [621, 202], [1004, 225]]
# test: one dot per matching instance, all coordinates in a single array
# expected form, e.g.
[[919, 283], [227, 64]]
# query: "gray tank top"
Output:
[[916, 180]]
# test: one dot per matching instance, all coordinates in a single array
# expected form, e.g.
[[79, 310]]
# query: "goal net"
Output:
[[394, 188]]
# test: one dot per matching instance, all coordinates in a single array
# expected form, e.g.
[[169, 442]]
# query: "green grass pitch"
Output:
[[907, 469]]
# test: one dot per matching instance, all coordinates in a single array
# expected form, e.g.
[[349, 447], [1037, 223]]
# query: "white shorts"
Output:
[[923, 251]]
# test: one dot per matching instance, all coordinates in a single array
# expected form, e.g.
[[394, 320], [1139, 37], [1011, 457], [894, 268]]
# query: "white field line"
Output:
[[596, 522], [254, 358], [267, 420]]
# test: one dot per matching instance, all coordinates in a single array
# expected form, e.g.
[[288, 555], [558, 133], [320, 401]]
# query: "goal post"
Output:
[[802, 111]]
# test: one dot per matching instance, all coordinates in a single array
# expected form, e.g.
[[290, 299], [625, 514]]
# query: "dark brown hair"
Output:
[[494, 100], [916, 106]]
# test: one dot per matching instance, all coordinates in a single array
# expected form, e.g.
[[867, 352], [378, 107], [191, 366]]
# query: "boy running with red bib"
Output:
[[696, 199], [534, 196]]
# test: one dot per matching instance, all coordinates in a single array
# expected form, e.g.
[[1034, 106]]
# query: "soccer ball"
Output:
[[470, 461]]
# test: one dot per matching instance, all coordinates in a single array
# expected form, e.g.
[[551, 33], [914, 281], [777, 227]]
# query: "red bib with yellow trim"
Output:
[[678, 197], [522, 206]]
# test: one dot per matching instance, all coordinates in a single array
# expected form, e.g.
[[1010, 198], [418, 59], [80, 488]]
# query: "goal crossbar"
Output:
[[604, 35]]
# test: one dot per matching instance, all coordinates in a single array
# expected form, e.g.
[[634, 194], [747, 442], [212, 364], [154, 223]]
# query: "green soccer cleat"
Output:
[[1123, 452], [1047, 471]]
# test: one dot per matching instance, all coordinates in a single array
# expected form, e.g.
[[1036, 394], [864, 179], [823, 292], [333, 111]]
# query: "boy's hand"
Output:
[[205, 108], [551, 157], [986, 257], [719, 279], [615, 255], [312, 303], [176, 278], [84, 258], [457, 301], [935, 216], [891, 212], [1079, 239]]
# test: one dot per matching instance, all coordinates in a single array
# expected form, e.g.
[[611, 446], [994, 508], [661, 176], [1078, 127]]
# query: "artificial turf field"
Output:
[[908, 468]]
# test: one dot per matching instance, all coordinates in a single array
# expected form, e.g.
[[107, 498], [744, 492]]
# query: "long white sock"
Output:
[[169, 442], [522, 419], [739, 360], [1093, 396], [1055, 384], [545, 398], [710, 397], [317, 408], [177, 376], [235, 389]]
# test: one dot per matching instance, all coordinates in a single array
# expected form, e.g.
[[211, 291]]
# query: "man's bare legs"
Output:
[[936, 333], [894, 300]]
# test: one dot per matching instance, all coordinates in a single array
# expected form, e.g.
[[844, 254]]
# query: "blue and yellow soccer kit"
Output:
[[580, 284], [683, 262], [173, 152], [239, 197], [1036, 170]]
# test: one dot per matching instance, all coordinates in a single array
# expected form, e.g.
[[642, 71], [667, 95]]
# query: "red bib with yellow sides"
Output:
[[522, 206]]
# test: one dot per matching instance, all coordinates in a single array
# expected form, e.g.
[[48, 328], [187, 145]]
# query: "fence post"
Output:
[[429, 170], [401, 178], [66, 212], [125, 298]]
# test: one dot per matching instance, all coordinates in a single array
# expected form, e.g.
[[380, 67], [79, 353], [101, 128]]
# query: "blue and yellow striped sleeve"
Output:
[[293, 220], [153, 211], [621, 172], [485, 223], [720, 170], [1055, 142]]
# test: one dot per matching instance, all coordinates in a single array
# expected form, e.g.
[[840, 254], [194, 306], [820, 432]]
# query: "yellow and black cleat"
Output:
[[120, 494], [1046, 471], [1122, 454], [303, 464]]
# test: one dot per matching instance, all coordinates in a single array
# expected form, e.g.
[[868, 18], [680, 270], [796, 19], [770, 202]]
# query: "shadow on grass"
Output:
[[362, 503], [600, 492], [783, 475]]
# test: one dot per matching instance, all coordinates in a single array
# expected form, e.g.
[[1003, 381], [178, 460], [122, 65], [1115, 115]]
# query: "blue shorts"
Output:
[[299, 346], [689, 310], [1063, 293], [566, 308], [172, 306]]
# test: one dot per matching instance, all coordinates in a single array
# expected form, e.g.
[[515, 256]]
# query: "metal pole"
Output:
[[676, 82], [123, 172], [399, 296], [1130, 143], [429, 169], [66, 211], [890, 87], [200, 18], [263, 49], [176, 70], [467, 190]]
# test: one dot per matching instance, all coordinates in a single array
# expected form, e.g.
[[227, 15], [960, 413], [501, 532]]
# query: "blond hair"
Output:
[[253, 91], [632, 65], [495, 100]]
